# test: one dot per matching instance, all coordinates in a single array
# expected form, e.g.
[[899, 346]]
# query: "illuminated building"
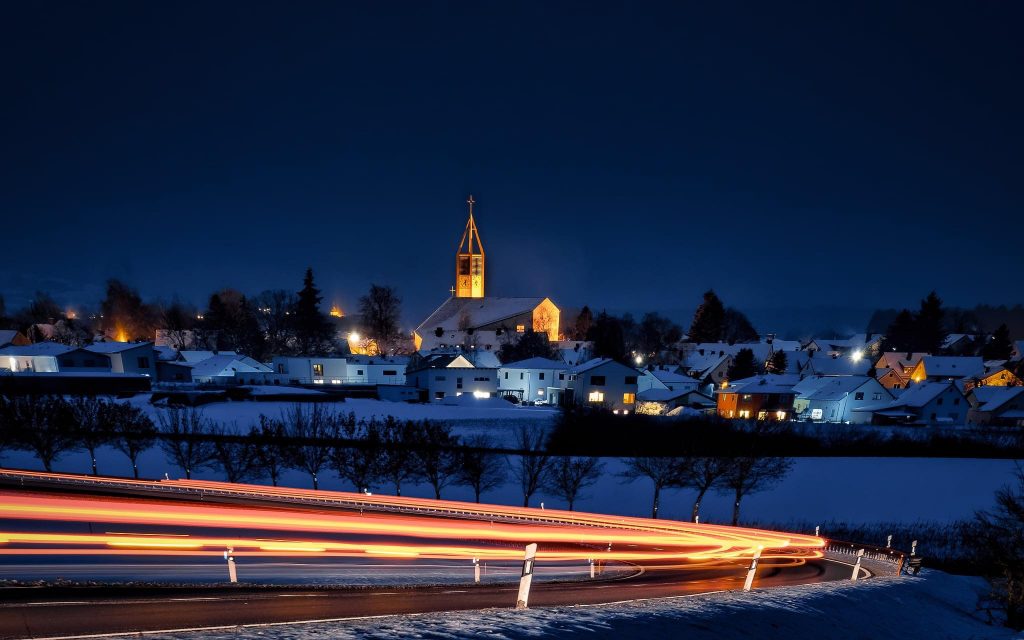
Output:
[[336, 312], [471, 320]]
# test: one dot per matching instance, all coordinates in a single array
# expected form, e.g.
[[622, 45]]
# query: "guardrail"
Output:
[[883, 558]]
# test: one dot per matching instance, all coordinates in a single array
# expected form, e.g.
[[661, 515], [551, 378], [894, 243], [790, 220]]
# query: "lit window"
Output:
[[629, 398], [745, 413], [596, 396], [318, 369], [780, 415], [520, 328]]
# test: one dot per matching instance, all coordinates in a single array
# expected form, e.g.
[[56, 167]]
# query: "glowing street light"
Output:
[[857, 355]]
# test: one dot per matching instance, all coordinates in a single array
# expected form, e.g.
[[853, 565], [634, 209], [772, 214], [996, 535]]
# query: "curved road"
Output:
[[79, 612]]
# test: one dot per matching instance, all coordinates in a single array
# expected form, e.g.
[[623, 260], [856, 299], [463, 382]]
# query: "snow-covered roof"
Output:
[[116, 347], [363, 359], [702, 364], [899, 360], [536, 363], [841, 366], [470, 313], [953, 366], [671, 377], [189, 355], [7, 336], [784, 345], [165, 353], [662, 395], [594, 363], [37, 349], [226, 365], [834, 387], [954, 338], [915, 396], [761, 350], [765, 383], [993, 398]]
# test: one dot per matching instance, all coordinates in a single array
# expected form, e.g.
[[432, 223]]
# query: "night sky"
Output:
[[626, 156]]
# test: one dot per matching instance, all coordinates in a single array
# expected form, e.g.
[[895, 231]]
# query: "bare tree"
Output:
[[359, 462], [381, 309], [310, 431], [567, 477], [436, 455], [480, 469], [998, 544], [749, 474], [532, 461], [234, 453], [133, 432], [663, 472], [702, 473], [398, 459], [271, 452], [273, 313], [185, 438], [42, 425], [90, 432]]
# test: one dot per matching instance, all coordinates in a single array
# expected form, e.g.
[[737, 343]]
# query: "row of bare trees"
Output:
[[738, 476]]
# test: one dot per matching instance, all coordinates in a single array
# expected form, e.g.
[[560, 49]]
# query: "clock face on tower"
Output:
[[469, 261]]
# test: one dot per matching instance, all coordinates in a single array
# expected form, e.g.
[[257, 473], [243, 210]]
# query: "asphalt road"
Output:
[[36, 615]]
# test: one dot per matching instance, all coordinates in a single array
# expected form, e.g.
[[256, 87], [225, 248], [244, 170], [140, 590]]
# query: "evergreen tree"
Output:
[[736, 327], [930, 325], [232, 320], [606, 334], [583, 322], [125, 316], [531, 344], [656, 334], [743, 365], [708, 321], [1000, 347], [900, 336], [778, 363], [313, 331]]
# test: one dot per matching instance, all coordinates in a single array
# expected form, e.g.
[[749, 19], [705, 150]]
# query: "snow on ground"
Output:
[[934, 605]]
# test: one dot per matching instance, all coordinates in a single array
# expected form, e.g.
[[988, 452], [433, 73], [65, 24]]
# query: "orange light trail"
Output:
[[366, 528]]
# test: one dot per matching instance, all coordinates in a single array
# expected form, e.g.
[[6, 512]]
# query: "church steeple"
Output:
[[469, 260]]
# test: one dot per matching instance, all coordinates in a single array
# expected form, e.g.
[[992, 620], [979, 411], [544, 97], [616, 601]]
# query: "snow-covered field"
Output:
[[935, 605]]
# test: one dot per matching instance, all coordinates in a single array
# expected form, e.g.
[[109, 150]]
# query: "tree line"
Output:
[[274, 322]]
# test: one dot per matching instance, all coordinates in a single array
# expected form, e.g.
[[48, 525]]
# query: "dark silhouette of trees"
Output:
[[778, 362], [273, 316], [532, 463], [42, 425], [234, 453], [398, 460], [530, 344], [708, 320], [309, 430], [185, 438], [931, 325], [231, 321], [87, 421], [655, 333], [1000, 346], [314, 333], [736, 327], [702, 473], [567, 477], [132, 431], [479, 469], [901, 334], [997, 543], [744, 365], [178, 323], [582, 325], [664, 472], [359, 462], [270, 449], [124, 315], [749, 474], [608, 337], [381, 311], [436, 455]]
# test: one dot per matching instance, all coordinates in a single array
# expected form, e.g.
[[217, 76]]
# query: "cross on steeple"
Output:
[[452, 290], [471, 202]]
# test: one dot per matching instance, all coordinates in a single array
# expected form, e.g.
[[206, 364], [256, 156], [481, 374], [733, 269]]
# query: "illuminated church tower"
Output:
[[469, 261]]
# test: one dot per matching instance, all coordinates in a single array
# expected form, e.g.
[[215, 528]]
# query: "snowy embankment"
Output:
[[934, 605]]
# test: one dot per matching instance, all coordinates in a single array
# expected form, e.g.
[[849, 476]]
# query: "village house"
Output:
[[128, 357], [894, 369], [227, 368], [440, 376], [762, 397], [671, 402], [13, 338], [995, 405], [603, 382], [52, 357], [836, 398], [823, 365], [925, 403], [536, 380], [944, 368]]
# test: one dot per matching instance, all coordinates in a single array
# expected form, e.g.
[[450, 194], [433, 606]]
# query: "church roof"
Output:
[[477, 312]]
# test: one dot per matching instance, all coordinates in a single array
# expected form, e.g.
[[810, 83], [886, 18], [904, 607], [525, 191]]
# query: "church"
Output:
[[470, 319]]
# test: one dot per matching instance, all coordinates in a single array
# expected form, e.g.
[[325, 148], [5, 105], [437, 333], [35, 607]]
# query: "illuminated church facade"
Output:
[[470, 319]]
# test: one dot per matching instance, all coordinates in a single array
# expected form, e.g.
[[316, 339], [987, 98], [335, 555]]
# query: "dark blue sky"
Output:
[[622, 155]]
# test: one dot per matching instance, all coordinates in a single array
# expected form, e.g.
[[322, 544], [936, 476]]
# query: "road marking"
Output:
[[385, 593], [455, 591], [55, 604], [302, 595], [193, 599]]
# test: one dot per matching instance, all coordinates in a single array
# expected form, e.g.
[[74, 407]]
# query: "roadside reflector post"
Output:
[[817, 529], [913, 548], [696, 519], [527, 578], [591, 567], [856, 567], [476, 569], [749, 582], [232, 571], [888, 542]]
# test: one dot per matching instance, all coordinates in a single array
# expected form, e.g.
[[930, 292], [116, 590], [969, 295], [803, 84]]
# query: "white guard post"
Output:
[[752, 570], [591, 567], [913, 548], [232, 571], [856, 567], [527, 579], [817, 529], [888, 542], [476, 569]]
